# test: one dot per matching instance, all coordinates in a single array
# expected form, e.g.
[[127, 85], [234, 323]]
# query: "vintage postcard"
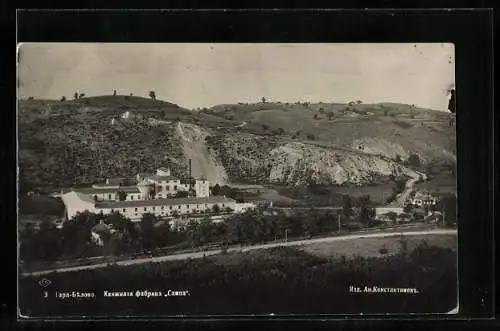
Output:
[[236, 179]]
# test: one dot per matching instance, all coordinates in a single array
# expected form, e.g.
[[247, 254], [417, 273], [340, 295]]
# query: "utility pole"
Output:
[[444, 215], [338, 221], [286, 235]]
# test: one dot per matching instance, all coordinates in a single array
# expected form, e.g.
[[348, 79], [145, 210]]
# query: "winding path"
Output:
[[195, 149]]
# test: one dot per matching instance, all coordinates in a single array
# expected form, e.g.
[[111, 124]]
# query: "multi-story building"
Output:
[[422, 199], [152, 193]]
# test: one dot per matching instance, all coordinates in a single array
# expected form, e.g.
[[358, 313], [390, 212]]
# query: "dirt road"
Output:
[[403, 196], [203, 164], [198, 255]]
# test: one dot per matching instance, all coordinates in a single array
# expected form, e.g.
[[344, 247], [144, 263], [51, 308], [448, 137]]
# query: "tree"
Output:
[[359, 102], [122, 195], [414, 160], [281, 131], [366, 214], [216, 208], [346, 208], [75, 96], [114, 93], [152, 95], [265, 127], [311, 222], [448, 205], [263, 100], [47, 242], [393, 217], [148, 231], [216, 189], [63, 98], [193, 233], [81, 95], [117, 221], [163, 235], [76, 234], [310, 136], [452, 102]]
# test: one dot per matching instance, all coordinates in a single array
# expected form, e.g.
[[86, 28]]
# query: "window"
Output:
[[109, 195], [154, 208], [112, 210], [136, 210], [145, 208], [131, 197], [222, 205], [162, 207], [175, 187], [187, 206], [123, 209], [167, 188], [170, 207]]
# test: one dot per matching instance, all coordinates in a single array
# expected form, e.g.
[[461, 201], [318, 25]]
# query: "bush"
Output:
[[414, 160]]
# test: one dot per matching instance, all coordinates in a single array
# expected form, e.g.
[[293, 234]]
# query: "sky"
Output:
[[204, 75]]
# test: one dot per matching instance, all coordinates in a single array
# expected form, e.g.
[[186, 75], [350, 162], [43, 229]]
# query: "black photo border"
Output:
[[471, 31]]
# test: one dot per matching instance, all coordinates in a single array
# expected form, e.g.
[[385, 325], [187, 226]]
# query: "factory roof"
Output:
[[144, 174], [158, 178], [120, 180], [163, 202], [92, 190]]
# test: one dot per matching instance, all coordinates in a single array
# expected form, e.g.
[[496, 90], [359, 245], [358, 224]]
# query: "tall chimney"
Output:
[[190, 175]]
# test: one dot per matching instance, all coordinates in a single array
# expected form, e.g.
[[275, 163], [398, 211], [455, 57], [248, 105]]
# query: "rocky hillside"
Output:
[[83, 141]]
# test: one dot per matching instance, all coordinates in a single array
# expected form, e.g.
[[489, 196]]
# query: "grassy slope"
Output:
[[384, 121], [60, 142]]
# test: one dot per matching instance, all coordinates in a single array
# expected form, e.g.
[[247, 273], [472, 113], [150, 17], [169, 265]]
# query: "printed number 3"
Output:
[[45, 294]]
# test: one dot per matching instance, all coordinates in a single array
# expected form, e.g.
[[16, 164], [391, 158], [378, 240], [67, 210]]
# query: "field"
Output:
[[369, 247], [332, 195], [378, 193], [439, 184], [280, 280]]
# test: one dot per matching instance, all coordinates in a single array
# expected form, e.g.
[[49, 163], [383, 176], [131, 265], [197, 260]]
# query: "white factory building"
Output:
[[150, 193]]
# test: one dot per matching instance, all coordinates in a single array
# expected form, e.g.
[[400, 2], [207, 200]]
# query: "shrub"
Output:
[[414, 160]]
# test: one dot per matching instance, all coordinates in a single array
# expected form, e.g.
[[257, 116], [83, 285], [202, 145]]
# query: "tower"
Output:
[[201, 188]]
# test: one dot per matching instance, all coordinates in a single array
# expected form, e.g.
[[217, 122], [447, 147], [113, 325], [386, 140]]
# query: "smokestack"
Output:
[[190, 175]]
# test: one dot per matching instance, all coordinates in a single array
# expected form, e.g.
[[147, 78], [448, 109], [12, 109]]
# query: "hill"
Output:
[[87, 140]]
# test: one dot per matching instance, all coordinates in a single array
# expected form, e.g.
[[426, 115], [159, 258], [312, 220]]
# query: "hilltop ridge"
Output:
[[86, 140]]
